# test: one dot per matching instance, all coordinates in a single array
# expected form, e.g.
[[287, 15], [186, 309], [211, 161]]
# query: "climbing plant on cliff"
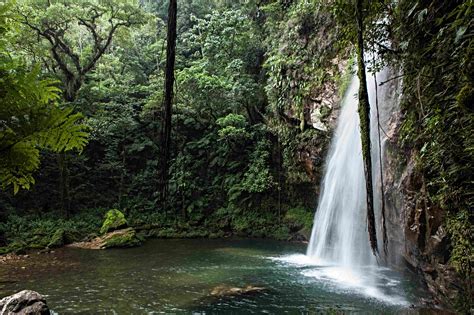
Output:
[[364, 114], [436, 47]]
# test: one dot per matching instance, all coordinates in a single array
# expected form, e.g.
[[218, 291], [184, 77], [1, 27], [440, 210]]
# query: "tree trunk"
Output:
[[65, 198], [364, 115], [72, 86], [382, 189], [168, 99]]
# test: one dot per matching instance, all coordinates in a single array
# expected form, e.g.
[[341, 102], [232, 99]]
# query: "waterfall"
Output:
[[339, 234], [339, 256]]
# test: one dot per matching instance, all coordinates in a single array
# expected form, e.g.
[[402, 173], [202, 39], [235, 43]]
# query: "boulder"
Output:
[[303, 235], [25, 302], [120, 238], [114, 220], [228, 291]]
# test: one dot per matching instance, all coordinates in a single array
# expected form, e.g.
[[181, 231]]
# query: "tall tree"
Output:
[[364, 115], [77, 34], [168, 99]]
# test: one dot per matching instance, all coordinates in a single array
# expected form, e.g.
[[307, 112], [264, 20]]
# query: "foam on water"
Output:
[[373, 283]]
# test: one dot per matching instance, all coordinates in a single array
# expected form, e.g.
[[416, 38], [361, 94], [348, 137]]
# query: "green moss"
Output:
[[114, 219], [461, 232], [126, 238], [343, 81], [465, 97]]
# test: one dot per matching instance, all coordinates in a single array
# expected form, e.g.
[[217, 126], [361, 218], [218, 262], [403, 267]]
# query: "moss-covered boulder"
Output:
[[57, 240], [121, 238], [114, 220]]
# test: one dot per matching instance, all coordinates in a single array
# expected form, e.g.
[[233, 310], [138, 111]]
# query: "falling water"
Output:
[[339, 233], [340, 230], [339, 253]]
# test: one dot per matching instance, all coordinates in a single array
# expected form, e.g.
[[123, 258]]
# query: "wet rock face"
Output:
[[25, 302], [417, 237]]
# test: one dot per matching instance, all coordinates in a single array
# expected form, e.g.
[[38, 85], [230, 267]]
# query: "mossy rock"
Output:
[[114, 220], [122, 238], [58, 239], [196, 234]]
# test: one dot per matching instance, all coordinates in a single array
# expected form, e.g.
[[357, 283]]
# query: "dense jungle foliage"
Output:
[[256, 93], [235, 167]]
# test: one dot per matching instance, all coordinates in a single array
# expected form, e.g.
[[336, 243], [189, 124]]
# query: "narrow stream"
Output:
[[177, 276]]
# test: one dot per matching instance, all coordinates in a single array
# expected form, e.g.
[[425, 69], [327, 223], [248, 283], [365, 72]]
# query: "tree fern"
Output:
[[30, 117]]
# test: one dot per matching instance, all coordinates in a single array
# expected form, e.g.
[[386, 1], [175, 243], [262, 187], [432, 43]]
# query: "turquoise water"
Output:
[[177, 276]]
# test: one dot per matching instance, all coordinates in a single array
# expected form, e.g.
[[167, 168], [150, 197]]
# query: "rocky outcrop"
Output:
[[120, 238], [114, 220], [25, 302], [417, 237]]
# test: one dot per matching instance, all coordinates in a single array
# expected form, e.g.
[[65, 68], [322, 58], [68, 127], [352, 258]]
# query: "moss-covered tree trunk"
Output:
[[364, 115], [168, 99]]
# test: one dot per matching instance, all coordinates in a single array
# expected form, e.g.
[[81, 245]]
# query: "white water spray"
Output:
[[339, 233]]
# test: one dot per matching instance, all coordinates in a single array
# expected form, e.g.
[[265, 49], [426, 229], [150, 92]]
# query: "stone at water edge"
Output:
[[227, 291], [25, 302], [119, 238]]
